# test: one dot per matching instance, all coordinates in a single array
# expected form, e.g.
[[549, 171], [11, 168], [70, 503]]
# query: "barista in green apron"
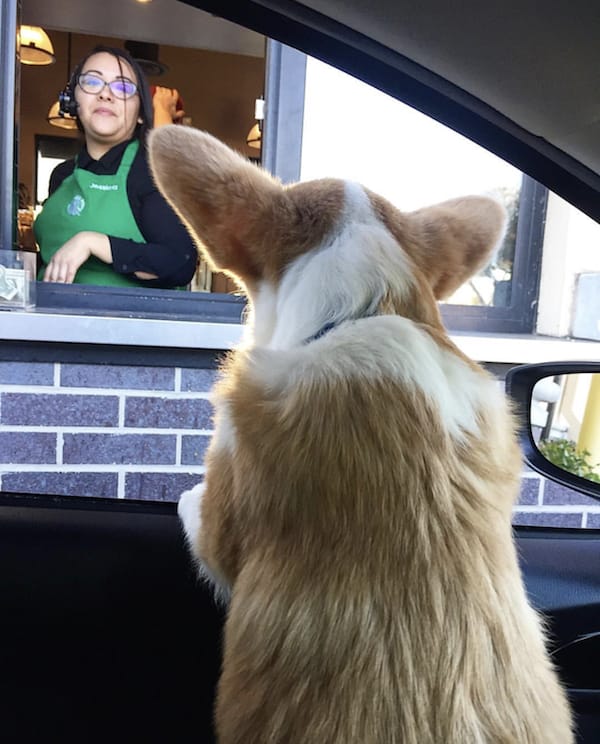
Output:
[[84, 201], [89, 231]]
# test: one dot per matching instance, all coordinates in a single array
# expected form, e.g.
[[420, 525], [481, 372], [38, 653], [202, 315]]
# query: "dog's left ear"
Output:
[[455, 239], [226, 202]]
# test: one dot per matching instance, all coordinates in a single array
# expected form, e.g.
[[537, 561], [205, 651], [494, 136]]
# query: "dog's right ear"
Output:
[[227, 203], [456, 239]]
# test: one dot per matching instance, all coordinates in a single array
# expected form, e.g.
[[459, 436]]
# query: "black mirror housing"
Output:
[[520, 382]]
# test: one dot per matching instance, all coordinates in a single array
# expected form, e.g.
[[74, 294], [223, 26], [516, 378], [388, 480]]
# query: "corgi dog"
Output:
[[356, 508]]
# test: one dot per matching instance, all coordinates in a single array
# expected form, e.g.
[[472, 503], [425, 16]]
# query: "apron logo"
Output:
[[76, 206]]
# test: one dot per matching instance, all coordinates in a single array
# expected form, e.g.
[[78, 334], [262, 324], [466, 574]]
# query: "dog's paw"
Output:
[[188, 510]]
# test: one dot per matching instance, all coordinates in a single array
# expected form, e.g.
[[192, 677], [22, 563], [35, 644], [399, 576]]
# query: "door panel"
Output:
[[562, 573], [107, 635]]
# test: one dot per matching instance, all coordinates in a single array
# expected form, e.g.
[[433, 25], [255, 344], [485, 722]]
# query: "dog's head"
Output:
[[318, 252]]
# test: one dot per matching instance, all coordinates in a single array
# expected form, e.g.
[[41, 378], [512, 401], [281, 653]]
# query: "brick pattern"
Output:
[[159, 413], [103, 485], [58, 409], [159, 486], [21, 447], [24, 373], [544, 503], [103, 430], [142, 433], [117, 376]]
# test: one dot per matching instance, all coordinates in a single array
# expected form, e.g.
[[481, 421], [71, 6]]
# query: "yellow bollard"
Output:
[[589, 434]]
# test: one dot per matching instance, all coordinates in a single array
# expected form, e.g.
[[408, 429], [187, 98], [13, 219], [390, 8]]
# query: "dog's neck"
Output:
[[321, 332], [344, 277]]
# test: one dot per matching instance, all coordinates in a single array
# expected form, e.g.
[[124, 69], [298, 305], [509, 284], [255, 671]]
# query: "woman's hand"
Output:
[[164, 101], [65, 263]]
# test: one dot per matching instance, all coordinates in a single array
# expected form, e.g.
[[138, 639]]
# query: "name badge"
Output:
[[105, 187]]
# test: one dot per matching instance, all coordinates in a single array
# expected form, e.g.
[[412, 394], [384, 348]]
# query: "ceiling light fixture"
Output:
[[35, 47], [63, 121]]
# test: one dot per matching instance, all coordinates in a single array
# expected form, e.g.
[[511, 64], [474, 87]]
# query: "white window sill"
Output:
[[119, 331], [75, 328], [525, 349]]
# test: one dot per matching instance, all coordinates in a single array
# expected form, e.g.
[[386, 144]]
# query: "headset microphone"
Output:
[[67, 105]]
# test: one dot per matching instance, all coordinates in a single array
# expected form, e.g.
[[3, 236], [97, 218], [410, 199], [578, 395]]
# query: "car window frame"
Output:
[[151, 352]]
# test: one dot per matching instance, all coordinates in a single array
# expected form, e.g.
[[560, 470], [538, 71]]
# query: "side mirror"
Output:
[[558, 406]]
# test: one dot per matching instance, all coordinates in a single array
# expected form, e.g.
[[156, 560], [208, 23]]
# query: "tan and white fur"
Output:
[[356, 509]]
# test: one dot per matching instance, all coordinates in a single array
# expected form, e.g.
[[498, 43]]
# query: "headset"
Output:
[[67, 105]]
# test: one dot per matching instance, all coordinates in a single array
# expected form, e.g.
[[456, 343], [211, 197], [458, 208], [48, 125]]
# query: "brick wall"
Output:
[[141, 432], [101, 430], [545, 503]]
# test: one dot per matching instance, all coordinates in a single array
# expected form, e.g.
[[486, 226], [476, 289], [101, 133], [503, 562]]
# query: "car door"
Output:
[[107, 634]]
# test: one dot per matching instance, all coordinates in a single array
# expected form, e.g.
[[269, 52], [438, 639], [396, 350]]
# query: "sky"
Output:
[[354, 131]]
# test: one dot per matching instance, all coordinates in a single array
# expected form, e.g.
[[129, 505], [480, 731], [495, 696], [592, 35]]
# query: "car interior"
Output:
[[107, 632]]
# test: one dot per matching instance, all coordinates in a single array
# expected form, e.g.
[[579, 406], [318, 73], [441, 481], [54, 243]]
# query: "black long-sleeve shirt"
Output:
[[169, 251]]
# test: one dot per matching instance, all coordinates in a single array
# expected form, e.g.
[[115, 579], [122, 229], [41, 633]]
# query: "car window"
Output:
[[545, 272]]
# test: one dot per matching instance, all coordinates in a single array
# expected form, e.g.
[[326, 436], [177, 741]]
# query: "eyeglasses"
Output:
[[120, 88]]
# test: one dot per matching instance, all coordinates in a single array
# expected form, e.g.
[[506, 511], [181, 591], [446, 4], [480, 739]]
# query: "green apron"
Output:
[[86, 201]]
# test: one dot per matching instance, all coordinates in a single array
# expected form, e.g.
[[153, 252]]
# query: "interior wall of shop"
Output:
[[218, 89]]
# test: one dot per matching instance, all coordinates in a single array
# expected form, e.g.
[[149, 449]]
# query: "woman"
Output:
[[104, 221]]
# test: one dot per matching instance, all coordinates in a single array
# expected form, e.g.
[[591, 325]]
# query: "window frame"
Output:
[[138, 302], [9, 93], [521, 314]]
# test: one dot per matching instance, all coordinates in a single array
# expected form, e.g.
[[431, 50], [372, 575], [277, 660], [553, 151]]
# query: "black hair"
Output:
[[24, 196], [146, 108]]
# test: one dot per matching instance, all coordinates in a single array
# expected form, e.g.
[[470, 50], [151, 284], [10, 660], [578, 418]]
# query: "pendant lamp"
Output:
[[35, 46], [64, 121], [254, 136]]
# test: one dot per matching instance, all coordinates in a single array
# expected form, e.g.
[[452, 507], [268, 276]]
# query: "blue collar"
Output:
[[320, 333]]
